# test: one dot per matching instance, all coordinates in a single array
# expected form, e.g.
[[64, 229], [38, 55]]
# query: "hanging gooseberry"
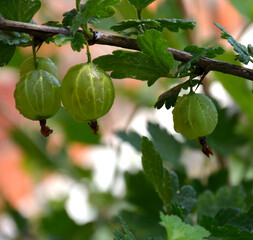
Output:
[[194, 115], [87, 92], [37, 97], [44, 63]]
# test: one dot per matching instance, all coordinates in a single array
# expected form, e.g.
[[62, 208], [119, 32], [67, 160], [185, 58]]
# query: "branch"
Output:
[[43, 32]]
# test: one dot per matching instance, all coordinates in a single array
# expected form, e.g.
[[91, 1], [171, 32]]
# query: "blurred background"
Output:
[[74, 185]]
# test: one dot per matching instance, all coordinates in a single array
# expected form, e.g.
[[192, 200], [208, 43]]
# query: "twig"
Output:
[[43, 32]]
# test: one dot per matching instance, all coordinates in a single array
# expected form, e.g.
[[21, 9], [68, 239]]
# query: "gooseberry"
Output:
[[44, 63], [194, 115], [87, 92], [37, 97]]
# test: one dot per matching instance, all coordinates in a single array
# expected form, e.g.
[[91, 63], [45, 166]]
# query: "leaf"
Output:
[[178, 230], [120, 236], [154, 45], [77, 42], [19, 10], [199, 52], [61, 39], [92, 9], [150, 64], [126, 64], [132, 138], [134, 24], [217, 179], [155, 172], [13, 38], [6, 53], [235, 217], [209, 204], [169, 97], [239, 48], [68, 17], [140, 4], [175, 24], [210, 52], [167, 146], [227, 232]]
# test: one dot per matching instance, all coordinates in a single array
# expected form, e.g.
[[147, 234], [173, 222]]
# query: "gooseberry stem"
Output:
[[36, 64], [88, 51], [78, 5]]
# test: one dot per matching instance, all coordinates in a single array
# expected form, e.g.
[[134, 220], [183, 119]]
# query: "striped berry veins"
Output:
[[87, 92], [194, 115], [37, 95]]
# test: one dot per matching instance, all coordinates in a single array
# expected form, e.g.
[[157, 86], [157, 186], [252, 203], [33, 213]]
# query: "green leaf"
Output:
[[68, 17], [167, 146], [209, 204], [210, 52], [120, 236], [154, 45], [125, 64], [61, 39], [140, 4], [93, 9], [199, 52], [178, 230], [13, 38], [150, 64], [134, 25], [132, 138], [77, 42], [217, 179], [175, 24], [239, 48], [169, 97], [227, 232], [19, 10], [155, 172], [6, 53], [235, 217]]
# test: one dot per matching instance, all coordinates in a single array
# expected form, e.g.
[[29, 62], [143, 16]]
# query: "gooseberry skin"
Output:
[[38, 95], [194, 115], [44, 63], [87, 92]]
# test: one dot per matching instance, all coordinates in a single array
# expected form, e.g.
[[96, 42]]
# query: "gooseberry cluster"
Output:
[[86, 92]]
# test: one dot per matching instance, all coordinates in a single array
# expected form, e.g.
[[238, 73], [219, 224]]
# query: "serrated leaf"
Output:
[[226, 232], [19, 10], [132, 138], [155, 172], [68, 17], [209, 204], [235, 217], [6, 53], [125, 64], [175, 24], [167, 146], [93, 9], [239, 48], [169, 97], [140, 4], [199, 52], [134, 25], [121, 236], [13, 38], [77, 42], [176, 229], [154, 45]]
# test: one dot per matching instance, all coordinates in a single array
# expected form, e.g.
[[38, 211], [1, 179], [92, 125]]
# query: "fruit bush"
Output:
[[162, 200]]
